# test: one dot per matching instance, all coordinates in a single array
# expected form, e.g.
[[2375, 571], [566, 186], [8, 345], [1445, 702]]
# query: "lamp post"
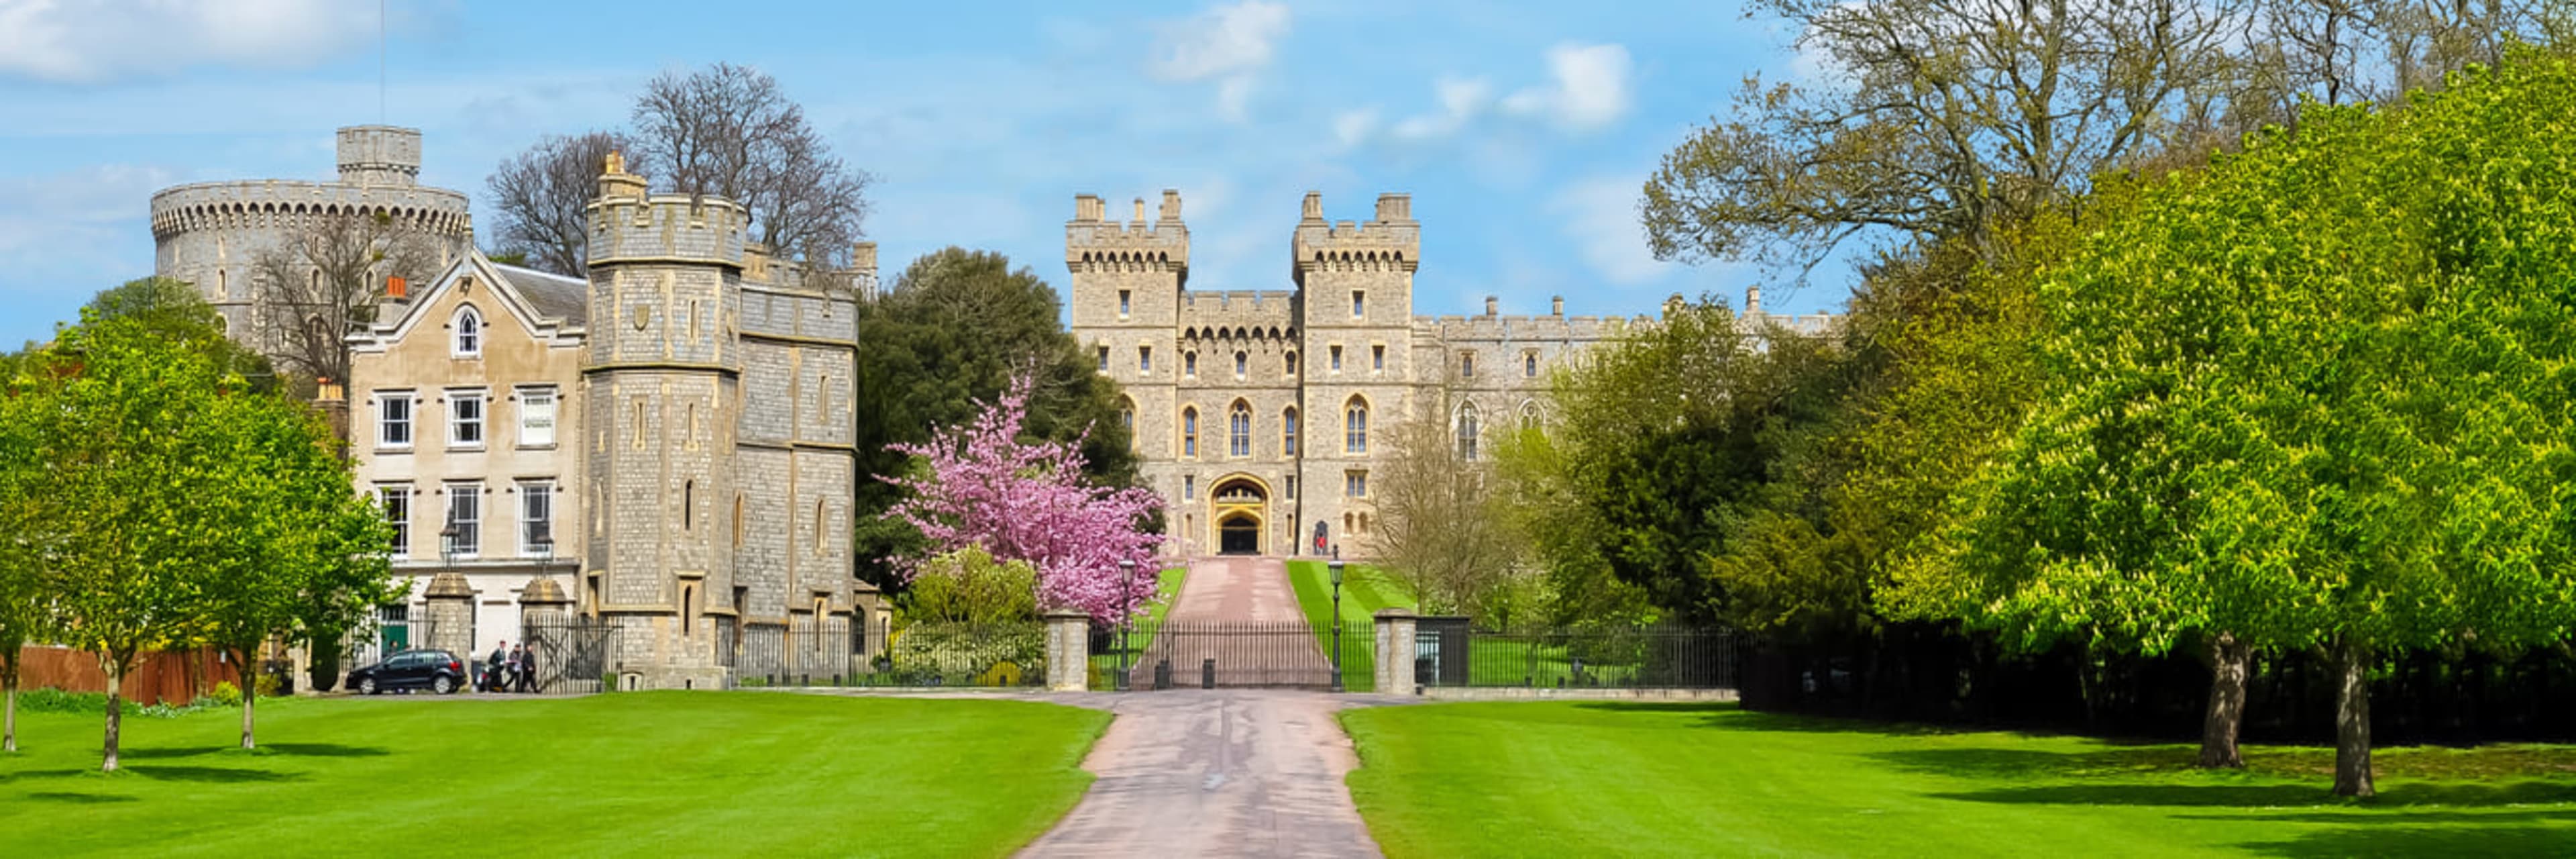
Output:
[[1336, 568], [1126, 615]]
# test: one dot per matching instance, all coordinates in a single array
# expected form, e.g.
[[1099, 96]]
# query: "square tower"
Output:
[[1356, 282], [1127, 282]]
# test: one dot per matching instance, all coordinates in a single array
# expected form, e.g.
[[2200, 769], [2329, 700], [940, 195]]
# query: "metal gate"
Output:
[[573, 657], [1204, 655]]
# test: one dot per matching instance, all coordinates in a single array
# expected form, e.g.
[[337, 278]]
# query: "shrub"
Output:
[[951, 654], [225, 694]]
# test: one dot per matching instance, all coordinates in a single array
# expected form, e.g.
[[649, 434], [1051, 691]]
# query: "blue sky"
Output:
[[1522, 132]]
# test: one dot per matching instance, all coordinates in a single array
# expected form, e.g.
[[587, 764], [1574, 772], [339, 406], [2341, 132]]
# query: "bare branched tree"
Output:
[[729, 131], [324, 278], [1439, 535], [538, 197]]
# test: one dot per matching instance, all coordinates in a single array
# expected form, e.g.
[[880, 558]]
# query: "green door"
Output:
[[397, 638]]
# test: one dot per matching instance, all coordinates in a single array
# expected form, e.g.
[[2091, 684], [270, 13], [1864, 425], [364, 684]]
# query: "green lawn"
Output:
[[1539, 778], [1105, 665], [653, 773], [1364, 591]]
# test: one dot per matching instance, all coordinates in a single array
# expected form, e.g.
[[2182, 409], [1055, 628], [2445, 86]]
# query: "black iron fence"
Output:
[[1452, 653], [827, 653], [963, 655], [1287, 654], [576, 656]]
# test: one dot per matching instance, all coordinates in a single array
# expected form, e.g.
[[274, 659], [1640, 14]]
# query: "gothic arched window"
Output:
[[1355, 426], [1238, 426]]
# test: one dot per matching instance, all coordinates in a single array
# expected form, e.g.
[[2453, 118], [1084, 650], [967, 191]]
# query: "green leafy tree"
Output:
[[26, 611], [302, 550], [968, 586], [952, 330], [173, 310], [2310, 400]]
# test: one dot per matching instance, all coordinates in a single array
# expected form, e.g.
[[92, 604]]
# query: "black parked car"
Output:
[[435, 670]]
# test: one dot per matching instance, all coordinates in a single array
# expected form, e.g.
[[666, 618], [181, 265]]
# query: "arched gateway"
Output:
[[1242, 507]]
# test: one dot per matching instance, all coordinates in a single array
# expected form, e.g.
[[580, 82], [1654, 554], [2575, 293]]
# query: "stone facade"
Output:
[[208, 233], [698, 462], [465, 409]]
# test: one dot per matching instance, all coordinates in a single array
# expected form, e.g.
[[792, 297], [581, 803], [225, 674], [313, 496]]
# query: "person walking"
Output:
[[492, 670], [527, 669], [510, 672]]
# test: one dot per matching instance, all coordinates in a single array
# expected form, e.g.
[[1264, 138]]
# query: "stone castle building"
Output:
[[664, 447], [1258, 414], [210, 233]]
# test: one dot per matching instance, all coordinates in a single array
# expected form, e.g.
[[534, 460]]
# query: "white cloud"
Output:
[[88, 41], [1353, 128], [1590, 89], [1600, 215], [1461, 100], [1222, 41], [1227, 44]]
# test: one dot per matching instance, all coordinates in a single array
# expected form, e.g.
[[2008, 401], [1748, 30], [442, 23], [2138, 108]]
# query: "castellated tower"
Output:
[[721, 461], [1127, 282], [1357, 283]]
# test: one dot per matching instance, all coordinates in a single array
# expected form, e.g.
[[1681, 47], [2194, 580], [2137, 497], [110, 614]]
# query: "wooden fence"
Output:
[[157, 678]]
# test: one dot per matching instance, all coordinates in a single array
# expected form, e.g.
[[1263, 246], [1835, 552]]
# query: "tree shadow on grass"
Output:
[[2360, 814], [2421, 841], [79, 798], [2030, 763], [319, 750], [2261, 796], [225, 775], [1734, 717]]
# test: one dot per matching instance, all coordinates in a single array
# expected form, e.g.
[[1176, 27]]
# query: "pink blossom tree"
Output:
[[982, 485]]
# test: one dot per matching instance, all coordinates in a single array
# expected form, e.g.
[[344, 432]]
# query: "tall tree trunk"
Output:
[[9, 732], [115, 713], [2230, 661], [2352, 721], [250, 695]]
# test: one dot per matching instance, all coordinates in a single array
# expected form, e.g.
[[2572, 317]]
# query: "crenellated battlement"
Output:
[[627, 224], [1093, 243], [1390, 243]]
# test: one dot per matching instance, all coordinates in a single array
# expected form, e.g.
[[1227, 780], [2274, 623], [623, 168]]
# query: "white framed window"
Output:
[[536, 518], [395, 498], [1355, 427], [537, 417], [1238, 429], [1355, 484], [465, 515], [468, 331], [465, 418], [393, 418]]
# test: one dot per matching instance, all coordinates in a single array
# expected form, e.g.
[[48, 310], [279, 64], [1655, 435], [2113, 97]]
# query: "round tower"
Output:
[[210, 233], [663, 378]]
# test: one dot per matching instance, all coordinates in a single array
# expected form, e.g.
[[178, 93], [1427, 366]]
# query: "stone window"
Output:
[[1123, 305], [1238, 426], [1189, 432], [1242, 363], [1189, 488], [1144, 359], [536, 518], [737, 520], [1291, 484], [1355, 427], [393, 419], [1355, 484], [1377, 356], [1292, 363], [1529, 365], [1127, 420], [1104, 359], [1288, 431], [536, 417], [396, 501], [1469, 429], [1467, 365], [465, 418], [1334, 356], [1190, 364], [465, 518], [1359, 303], [468, 328], [822, 536], [689, 505]]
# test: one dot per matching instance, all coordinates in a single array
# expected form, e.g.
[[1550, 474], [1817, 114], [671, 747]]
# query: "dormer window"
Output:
[[469, 333]]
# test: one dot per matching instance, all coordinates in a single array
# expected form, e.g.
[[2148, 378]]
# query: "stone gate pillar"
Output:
[[1068, 645], [451, 616], [1395, 651], [543, 603]]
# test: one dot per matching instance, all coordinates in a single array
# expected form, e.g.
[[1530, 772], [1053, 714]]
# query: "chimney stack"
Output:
[[1493, 306], [1556, 305]]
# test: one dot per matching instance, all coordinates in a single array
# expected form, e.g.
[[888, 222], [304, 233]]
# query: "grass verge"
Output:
[[1104, 665], [1522, 779], [1364, 591], [668, 773]]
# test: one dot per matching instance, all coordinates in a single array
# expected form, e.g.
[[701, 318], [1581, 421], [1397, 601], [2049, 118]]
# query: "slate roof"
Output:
[[553, 296]]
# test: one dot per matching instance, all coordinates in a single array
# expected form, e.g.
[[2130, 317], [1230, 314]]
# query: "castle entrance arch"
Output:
[[1241, 504]]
